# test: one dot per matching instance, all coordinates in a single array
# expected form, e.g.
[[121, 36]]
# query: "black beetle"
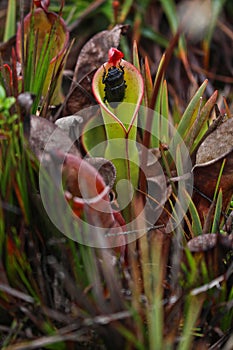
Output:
[[114, 85]]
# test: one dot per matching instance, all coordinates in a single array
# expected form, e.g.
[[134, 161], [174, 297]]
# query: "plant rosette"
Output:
[[47, 26], [120, 120]]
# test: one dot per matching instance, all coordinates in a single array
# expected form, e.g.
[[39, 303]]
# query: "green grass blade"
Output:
[[189, 115], [219, 179], [193, 309], [29, 63], [201, 124], [170, 10], [196, 222], [149, 33], [136, 57], [217, 213], [155, 140], [164, 125], [156, 315], [10, 20], [217, 6]]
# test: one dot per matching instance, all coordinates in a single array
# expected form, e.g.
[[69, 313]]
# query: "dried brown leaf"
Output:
[[95, 52], [215, 148], [218, 143], [40, 134]]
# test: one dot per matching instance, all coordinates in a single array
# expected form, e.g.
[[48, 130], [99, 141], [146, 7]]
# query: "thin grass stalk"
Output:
[[148, 82], [29, 55], [15, 83], [130, 337], [136, 288], [217, 6], [177, 243], [200, 124], [183, 213], [21, 4], [136, 57], [156, 127], [180, 171], [193, 309], [157, 37], [78, 272], [156, 316], [169, 8], [195, 218], [189, 115], [164, 128], [57, 69], [41, 71], [219, 179], [91, 267], [189, 269], [217, 214], [10, 20], [21, 175], [140, 278], [208, 218], [146, 268], [149, 120]]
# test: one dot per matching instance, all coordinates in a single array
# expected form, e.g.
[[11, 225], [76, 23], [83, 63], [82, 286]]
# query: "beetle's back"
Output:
[[114, 85]]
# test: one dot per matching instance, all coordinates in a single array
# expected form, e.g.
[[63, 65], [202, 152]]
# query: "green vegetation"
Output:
[[172, 287]]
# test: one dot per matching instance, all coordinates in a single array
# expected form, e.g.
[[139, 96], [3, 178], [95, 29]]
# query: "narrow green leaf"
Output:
[[194, 134], [169, 8], [10, 20], [156, 315], [148, 81], [188, 117], [219, 179], [170, 11], [196, 222], [121, 126], [155, 140], [136, 57], [217, 213], [149, 33], [29, 63], [124, 10], [217, 6], [193, 309], [164, 125]]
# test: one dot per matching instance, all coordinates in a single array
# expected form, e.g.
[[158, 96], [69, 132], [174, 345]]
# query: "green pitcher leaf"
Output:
[[118, 87], [133, 95], [94, 134]]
